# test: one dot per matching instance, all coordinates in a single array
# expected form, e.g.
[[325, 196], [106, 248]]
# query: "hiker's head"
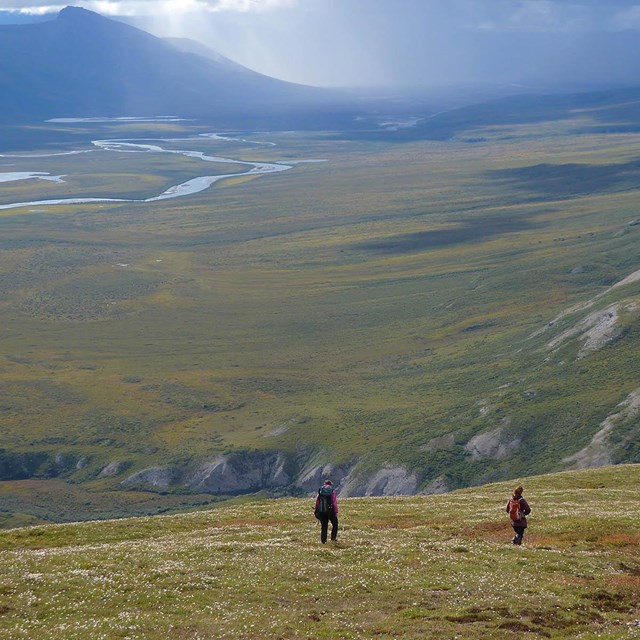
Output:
[[518, 491], [328, 482]]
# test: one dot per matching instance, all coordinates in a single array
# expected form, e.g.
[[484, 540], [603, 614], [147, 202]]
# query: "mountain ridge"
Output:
[[82, 64]]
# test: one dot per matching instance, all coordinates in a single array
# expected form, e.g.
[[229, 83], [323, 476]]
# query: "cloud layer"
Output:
[[496, 14], [419, 42], [147, 7]]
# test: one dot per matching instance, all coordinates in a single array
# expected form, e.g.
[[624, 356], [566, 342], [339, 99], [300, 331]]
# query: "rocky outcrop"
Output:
[[155, 477], [113, 469], [223, 475], [256, 471], [312, 477], [231, 474], [388, 481], [349, 479], [66, 463], [595, 330], [583, 306], [240, 473], [494, 444], [436, 486], [599, 452]]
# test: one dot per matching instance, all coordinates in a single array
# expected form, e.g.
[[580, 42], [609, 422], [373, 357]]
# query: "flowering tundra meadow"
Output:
[[404, 567]]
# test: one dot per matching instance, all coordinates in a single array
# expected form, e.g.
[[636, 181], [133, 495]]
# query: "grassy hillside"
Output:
[[412, 567], [425, 306]]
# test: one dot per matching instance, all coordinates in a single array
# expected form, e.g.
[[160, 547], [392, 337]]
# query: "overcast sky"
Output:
[[369, 42]]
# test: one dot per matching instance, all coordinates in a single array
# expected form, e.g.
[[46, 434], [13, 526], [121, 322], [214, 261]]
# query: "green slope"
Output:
[[388, 308], [410, 567]]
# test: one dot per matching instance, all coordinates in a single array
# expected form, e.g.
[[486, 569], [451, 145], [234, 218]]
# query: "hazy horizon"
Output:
[[421, 43]]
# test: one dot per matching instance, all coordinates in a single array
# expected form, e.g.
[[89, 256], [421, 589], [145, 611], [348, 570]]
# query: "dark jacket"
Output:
[[334, 502], [524, 509]]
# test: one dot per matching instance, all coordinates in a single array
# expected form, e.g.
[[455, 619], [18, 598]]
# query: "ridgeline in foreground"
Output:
[[415, 567]]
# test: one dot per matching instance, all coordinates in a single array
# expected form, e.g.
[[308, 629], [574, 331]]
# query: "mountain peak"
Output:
[[78, 13], [85, 64]]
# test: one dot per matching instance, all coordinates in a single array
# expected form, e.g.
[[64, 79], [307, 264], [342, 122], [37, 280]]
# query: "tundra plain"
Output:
[[425, 306]]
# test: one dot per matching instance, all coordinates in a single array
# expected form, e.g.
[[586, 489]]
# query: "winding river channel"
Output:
[[194, 185]]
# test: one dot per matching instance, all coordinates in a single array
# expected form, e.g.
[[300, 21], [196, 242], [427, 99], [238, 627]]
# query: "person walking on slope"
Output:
[[326, 510], [518, 510]]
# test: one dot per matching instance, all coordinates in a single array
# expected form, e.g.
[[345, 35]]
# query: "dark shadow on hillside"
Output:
[[470, 230], [566, 180], [614, 110], [447, 125]]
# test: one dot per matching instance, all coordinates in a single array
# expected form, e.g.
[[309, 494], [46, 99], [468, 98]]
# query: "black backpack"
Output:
[[325, 503]]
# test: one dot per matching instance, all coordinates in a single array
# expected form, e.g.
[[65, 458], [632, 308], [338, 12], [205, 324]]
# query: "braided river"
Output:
[[194, 185]]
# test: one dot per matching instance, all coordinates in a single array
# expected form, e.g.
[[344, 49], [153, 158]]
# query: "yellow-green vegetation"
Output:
[[386, 305], [411, 568]]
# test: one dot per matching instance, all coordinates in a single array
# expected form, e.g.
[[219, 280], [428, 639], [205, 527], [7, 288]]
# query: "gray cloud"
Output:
[[550, 15], [418, 42], [514, 15], [144, 7]]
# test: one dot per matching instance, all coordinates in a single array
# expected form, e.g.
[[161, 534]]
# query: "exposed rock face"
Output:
[[256, 471], [113, 469], [350, 481], [240, 473], [64, 463], [437, 486], [492, 444], [595, 330], [598, 325], [312, 477], [61, 460], [159, 477], [599, 452], [388, 481]]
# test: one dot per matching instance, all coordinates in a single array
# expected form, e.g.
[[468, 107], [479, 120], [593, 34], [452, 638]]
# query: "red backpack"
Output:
[[515, 512]]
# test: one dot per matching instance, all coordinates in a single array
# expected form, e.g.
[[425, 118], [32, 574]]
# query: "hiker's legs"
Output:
[[517, 539], [334, 526], [324, 526]]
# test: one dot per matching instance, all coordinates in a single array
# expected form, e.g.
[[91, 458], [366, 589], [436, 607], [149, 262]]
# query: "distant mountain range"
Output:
[[605, 111], [82, 64]]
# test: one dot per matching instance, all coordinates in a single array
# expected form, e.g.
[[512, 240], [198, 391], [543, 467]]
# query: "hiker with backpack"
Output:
[[326, 510], [518, 510]]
